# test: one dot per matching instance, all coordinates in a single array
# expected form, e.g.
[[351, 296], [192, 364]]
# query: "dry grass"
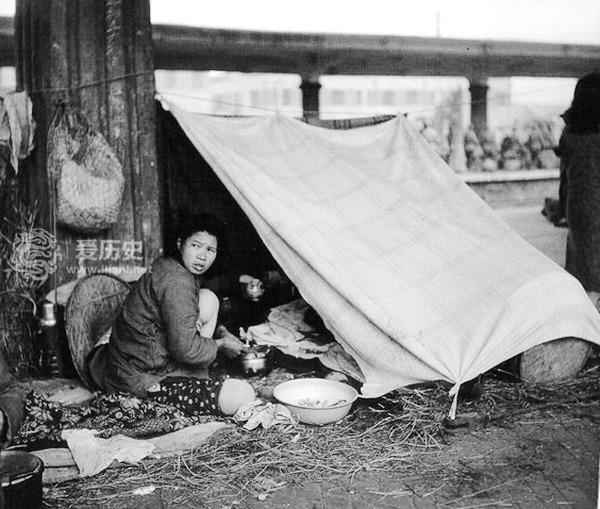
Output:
[[502, 400], [19, 287], [401, 433]]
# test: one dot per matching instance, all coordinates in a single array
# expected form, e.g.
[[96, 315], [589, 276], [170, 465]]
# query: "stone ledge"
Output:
[[510, 176], [513, 188]]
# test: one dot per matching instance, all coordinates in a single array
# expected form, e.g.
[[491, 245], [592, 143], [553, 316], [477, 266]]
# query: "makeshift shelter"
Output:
[[416, 277]]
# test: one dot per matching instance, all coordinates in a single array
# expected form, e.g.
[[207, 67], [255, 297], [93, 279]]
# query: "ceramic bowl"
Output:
[[316, 400]]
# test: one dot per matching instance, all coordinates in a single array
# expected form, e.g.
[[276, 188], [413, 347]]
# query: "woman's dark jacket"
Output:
[[580, 183], [155, 334]]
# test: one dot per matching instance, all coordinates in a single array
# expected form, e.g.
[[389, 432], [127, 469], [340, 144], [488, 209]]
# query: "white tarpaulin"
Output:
[[415, 275]]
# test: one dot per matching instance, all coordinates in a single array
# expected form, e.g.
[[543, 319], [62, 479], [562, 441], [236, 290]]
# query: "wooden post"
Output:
[[95, 55], [479, 89], [310, 87]]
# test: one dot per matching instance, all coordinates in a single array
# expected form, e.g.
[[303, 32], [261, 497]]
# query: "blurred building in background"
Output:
[[518, 108]]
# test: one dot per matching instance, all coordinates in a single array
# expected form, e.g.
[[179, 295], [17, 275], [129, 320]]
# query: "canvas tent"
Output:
[[412, 272]]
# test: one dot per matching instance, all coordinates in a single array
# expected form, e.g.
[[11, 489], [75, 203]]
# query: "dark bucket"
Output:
[[20, 480]]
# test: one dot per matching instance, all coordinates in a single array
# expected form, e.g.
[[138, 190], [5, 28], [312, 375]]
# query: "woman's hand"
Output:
[[227, 343]]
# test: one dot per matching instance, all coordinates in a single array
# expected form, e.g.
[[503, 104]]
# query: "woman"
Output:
[[162, 341], [579, 151]]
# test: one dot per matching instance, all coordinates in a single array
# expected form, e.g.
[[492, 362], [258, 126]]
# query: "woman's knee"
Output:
[[234, 395], [208, 305]]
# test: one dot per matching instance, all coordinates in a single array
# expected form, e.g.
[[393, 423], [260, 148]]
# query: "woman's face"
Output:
[[198, 252]]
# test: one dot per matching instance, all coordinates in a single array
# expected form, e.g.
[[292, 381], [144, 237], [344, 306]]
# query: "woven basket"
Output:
[[91, 310], [89, 177]]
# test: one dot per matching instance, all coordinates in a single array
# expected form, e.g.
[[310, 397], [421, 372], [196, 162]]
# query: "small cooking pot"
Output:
[[257, 360], [20, 480]]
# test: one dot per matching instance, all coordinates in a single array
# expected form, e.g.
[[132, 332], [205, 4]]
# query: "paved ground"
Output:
[[537, 230]]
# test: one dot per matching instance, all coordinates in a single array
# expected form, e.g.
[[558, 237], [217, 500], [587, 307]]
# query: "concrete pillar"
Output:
[[479, 89], [310, 87], [95, 55]]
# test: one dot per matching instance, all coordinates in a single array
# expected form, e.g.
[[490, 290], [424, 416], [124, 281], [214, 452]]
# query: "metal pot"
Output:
[[256, 361], [20, 480]]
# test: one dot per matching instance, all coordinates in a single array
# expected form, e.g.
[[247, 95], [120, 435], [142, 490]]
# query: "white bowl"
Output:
[[316, 400]]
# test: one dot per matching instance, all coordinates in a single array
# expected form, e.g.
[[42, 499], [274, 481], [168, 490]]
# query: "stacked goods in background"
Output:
[[530, 147]]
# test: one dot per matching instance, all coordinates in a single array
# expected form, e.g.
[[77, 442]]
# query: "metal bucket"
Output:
[[20, 480]]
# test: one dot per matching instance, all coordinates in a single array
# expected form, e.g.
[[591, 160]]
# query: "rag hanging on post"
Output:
[[86, 172]]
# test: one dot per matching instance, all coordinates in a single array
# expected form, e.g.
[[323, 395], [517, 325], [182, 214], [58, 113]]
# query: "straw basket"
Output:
[[89, 177], [91, 310]]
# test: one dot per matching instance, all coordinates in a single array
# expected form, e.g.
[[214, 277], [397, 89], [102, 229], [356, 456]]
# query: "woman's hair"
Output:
[[189, 224], [584, 114]]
